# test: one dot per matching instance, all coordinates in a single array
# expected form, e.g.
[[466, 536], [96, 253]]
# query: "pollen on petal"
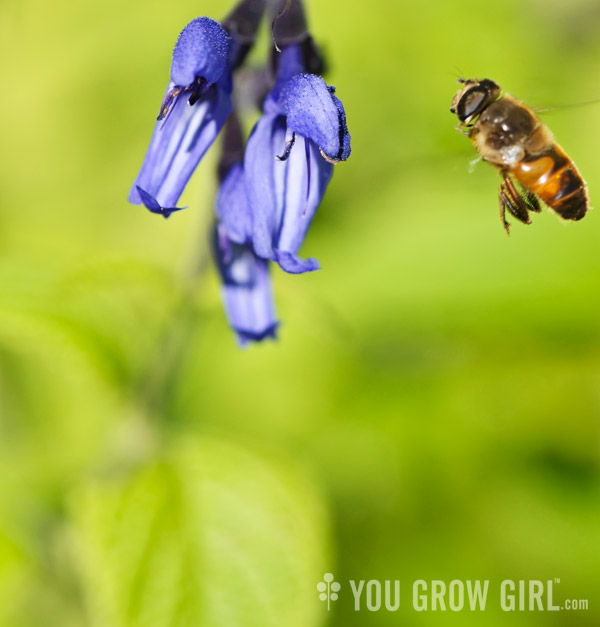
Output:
[[202, 50]]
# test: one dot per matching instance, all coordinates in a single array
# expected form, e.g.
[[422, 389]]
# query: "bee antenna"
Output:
[[459, 74]]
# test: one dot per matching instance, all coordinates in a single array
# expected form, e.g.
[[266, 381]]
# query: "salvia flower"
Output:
[[288, 160], [269, 189], [196, 104], [247, 291]]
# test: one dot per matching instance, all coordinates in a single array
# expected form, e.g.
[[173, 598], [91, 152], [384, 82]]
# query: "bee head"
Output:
[[472, 98]]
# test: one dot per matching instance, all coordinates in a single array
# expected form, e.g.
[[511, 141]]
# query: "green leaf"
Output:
[[213, 535]]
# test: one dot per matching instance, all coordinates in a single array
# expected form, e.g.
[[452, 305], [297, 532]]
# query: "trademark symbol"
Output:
[[556, 579]]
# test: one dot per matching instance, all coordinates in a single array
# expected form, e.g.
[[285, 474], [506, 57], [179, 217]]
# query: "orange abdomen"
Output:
[[555, 179]]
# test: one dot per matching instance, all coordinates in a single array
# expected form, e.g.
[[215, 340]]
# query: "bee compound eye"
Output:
[[471, 103]]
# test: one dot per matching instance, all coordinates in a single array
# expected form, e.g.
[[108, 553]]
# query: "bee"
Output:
[[510, 136]]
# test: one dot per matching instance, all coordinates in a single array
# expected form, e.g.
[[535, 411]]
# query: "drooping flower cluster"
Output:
[[271, 188]]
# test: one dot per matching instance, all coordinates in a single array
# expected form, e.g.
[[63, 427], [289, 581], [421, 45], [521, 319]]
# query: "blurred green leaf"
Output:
[[211, 534]]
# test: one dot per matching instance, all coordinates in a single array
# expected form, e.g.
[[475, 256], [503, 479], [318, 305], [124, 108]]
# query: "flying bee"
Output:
[[510, 136]]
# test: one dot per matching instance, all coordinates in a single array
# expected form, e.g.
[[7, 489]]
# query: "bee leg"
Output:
[[514, 202], [532, 201], [502, 200], [528, 199]]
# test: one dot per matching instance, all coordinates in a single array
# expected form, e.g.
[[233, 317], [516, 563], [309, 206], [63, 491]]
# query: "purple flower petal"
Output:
[[283, 195], [288, 160], [178, 144], [152, 204], [295, 265], [201, 51], [307, 175], [265, 182], [313, 111], [289, 64], [232, 206], [247, 291]]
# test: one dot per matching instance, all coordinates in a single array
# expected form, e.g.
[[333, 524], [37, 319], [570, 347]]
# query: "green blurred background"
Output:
[[431, 409]]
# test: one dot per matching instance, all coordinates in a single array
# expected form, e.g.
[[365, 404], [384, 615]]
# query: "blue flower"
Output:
[[196, 104], [247, 291], [288, 160], [265, 204]]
